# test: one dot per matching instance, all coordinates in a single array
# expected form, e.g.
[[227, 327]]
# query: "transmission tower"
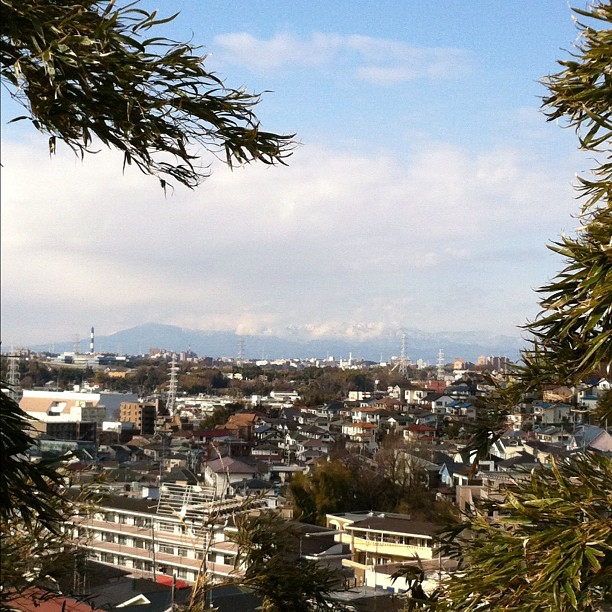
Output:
[[12, 377], [441, 364], [172, 386], [404, 361], [240, 359]]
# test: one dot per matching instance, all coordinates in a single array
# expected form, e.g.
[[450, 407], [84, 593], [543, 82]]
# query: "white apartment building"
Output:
[[181, 534]]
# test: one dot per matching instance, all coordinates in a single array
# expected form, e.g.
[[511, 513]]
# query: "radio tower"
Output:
[[441, 364], [172, 386]]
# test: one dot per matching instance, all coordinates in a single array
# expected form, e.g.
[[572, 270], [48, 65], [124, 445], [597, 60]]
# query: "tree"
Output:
[[573, 335], [603, 410], [548, 544], [88, 71], [548, 547], [34, 505], [269, 549]]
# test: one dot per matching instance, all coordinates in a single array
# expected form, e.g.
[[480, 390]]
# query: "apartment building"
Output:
[[380, 543], [142, 416], [181, 534]]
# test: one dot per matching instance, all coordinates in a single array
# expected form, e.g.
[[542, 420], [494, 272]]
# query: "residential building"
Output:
[[379, 540], [181, 534], [142, 415]]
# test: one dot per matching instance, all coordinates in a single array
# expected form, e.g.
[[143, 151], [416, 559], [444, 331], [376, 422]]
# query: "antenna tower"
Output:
[[441, 364], [172, 386]]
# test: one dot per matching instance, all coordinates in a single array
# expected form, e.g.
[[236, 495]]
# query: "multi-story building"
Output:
[[380, 543], [141, 415], [54, 407], [182, 533]]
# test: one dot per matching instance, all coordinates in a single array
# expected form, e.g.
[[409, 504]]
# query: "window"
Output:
[[169, 550]]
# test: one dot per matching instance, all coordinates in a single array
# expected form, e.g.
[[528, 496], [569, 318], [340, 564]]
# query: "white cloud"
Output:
[[338, 241], [379, 61]]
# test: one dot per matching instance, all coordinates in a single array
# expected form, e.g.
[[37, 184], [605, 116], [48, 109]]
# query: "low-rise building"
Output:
[[180, 534], [378, 540]]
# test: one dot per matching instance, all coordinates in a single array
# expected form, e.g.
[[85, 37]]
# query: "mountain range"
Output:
[[296, 343]]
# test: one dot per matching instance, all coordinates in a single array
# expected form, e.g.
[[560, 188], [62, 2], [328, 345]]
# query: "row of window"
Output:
[[140, 564]]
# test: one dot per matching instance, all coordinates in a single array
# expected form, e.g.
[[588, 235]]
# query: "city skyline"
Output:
[[422, 193]]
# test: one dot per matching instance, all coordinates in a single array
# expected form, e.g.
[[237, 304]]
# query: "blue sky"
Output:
[[422, 194]]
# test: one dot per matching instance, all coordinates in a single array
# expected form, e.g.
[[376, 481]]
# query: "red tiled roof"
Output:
[[37, 600]]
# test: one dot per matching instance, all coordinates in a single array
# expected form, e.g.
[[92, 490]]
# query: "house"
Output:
[[398, 422], [362, 435], [590, 437], [554, 413], [222, 473], [508, 445], [419, 432], [312, 449], [543, 452], [437, 402], [462, 389], [369, 414], [461, 408], [414, 394], [550, 434], [39, 600], [242, 425], [454, 473]]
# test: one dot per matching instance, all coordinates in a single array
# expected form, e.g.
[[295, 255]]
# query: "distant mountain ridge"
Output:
[[419, 345]]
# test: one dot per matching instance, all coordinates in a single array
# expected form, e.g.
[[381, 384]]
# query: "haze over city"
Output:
[[422, 192]]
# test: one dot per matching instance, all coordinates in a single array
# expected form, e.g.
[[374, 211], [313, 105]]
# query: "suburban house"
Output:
[[222, 473]]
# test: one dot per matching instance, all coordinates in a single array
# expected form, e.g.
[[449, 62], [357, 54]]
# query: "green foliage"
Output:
[[332, 487], [29, 492], [269, 549], [573, 335], [218, 416], [92, 70], [548, 547], [547, 544], [393, 484], [33, 508], [603, 411]]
